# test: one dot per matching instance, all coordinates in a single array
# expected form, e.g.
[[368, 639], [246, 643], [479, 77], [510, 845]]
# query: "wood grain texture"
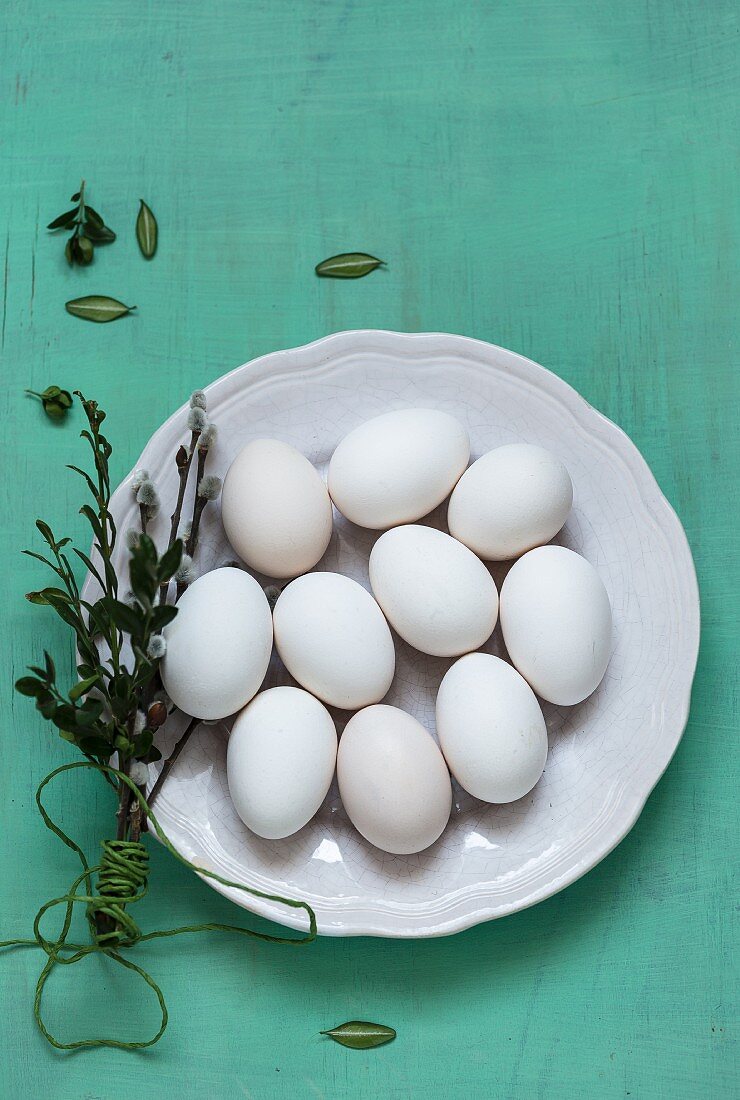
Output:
[[557, 178]]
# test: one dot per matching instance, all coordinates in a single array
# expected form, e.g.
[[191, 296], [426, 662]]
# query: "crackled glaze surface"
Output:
[[605, 754]]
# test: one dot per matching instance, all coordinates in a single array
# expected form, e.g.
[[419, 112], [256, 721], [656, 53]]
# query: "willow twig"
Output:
[[171, 759], [184, 460], [198, 503]]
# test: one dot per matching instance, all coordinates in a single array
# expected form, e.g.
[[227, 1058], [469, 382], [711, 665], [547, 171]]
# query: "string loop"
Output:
[[122, 880]]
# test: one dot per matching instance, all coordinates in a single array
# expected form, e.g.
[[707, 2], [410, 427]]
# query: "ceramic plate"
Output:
[[605, 754]]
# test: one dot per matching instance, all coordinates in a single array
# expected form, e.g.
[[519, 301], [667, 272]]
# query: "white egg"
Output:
[[276, 509], [219, 644], [557, 623], [397, 467], [512, 499], [491, 729], [280, 761], [393, 780], [438, 596], [333, 639]]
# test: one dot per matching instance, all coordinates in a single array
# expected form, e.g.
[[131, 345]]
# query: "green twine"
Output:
[[122, 880]]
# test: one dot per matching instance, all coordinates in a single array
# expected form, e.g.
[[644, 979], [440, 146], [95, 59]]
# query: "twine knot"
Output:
[[122, 880]]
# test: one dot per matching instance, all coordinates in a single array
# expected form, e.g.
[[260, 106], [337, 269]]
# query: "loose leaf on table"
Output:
[[55, 401], [360, 1035], [146, 231], [87, 227], [348, 265], [96, 307]]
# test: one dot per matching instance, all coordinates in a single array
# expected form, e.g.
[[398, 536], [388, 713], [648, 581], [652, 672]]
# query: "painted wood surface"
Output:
[[556, 178]]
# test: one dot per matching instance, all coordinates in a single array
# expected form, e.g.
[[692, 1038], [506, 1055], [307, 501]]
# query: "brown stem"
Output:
[[103, 923], [144, 514], [170, 761], [184, 462], [124, 800], [198, 503], [135, 831]]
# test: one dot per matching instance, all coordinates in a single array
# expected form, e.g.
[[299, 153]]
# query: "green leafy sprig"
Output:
[[88, 229], [102, 712], [55, 401], [113, 708]]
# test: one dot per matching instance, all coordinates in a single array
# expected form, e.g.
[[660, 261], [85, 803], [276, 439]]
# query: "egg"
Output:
[[333, 639], [490, 728], [276, 509], [280, 761], [397, 467], [557, 623], [511, 499], [438, 596], [393, 780], [218, 645]]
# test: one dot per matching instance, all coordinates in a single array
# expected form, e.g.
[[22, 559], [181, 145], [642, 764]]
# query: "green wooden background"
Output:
[[555, 177]]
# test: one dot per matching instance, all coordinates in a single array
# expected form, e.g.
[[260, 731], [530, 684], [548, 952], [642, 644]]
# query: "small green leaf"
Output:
[[143, 743], [46, 705], [83, 250], [89, 712], [46, 532], [93, 217], [94, 746], [50, 669], [95, 227], [101, 234], [348, 265], [162, 616], [169, 563], [360, 1035], [69, 251], [93, 519], [146, 231], [83, 687], [64, 220], [76, 196], [123, 616], [29, 685], [96, 307], [47, 596], [37, 598]]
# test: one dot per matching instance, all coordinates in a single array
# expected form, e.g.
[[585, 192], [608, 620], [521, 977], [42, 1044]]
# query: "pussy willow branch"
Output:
[[171, 759], [198, 503], [184, 460]]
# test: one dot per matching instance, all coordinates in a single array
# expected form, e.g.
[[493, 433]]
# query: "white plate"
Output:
[[605, 754]]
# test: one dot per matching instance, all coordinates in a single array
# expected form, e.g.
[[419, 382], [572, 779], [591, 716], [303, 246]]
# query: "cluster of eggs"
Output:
[[334, 639]]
